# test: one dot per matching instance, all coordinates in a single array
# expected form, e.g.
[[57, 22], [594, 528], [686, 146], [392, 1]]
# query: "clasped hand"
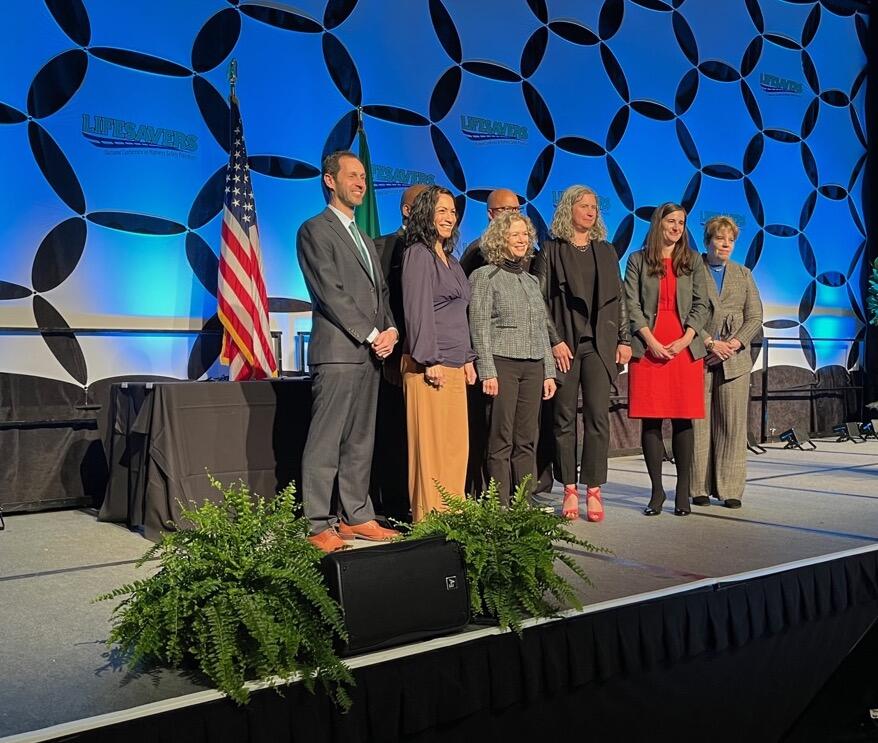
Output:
[[720, 351], [669, 350], [435, 375], [384, 342]]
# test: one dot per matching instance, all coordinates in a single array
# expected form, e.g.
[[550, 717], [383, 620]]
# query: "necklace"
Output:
[[581, 248]]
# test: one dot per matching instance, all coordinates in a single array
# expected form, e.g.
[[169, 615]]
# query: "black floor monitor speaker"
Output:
[[400, 592]]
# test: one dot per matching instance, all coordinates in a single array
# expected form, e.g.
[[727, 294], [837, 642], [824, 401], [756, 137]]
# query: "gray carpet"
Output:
[[53, 661]]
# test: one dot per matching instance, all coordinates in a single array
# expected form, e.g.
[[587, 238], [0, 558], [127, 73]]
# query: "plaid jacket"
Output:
[[507, 317]]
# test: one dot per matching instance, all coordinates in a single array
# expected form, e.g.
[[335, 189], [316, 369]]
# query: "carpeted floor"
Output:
[[54, 663]]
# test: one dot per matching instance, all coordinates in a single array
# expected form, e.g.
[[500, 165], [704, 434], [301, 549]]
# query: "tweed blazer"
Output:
[[736, 312], [507, 317], [642, 295]]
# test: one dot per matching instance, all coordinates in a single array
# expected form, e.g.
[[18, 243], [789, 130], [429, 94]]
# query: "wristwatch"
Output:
[[708, 344]]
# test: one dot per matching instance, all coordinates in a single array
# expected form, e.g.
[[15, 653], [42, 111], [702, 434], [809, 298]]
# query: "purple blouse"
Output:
[[435, 298]]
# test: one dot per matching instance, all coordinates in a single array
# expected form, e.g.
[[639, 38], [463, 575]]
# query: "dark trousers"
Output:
[[588, 372], [390, 467], [337, 459], [683, 444], [514, 422], [477, 407]]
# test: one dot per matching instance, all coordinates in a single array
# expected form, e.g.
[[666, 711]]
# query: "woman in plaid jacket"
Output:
[[509, 333]]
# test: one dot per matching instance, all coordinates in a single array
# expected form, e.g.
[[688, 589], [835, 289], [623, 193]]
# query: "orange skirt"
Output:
[[438, 436]]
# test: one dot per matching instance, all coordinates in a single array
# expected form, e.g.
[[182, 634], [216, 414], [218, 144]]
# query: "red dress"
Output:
[[666, 389]]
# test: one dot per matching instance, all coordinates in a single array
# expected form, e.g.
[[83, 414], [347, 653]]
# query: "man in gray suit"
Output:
[[352, 332]]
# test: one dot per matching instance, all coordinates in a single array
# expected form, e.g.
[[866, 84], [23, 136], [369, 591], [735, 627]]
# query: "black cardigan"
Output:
[[559, 285]]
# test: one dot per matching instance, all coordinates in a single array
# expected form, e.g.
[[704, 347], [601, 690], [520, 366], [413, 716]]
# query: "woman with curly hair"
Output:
[[667, 305], [507, 320], [579, 277], [437, 361]]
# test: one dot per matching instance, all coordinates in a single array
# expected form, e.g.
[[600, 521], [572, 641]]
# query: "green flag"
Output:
[[367, 212]]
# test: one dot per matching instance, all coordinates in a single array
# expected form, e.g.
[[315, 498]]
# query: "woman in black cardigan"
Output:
[[588, 330]]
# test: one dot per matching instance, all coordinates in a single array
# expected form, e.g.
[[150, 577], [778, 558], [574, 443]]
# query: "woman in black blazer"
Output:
[[588, 330]]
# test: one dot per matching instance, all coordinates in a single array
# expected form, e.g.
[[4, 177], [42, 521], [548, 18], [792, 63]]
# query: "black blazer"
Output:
[[390, 249], [561, 291]]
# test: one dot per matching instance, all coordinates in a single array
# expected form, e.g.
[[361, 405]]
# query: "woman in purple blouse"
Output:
[[437, 361]]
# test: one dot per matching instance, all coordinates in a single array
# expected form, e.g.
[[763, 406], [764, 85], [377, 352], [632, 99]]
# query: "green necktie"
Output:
[[361, 246]]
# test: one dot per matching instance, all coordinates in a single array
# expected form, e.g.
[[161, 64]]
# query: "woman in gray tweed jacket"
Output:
[[508, 325], [719, 465]]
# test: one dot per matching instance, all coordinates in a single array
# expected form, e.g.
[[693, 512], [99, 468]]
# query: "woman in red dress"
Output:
[[667, 306]]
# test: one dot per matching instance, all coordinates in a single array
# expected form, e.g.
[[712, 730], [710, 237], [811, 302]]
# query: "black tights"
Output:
[[683, 442]]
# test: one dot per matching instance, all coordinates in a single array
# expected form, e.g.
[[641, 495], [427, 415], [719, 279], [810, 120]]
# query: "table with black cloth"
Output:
[[167, 437]]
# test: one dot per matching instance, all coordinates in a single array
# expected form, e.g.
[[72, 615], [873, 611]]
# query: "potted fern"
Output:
[[510, 553], [240, 595]]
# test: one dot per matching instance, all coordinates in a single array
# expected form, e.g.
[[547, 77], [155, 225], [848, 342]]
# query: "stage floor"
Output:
[[55, 669]]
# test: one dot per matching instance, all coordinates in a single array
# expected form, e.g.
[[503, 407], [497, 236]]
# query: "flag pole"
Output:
[[366, 215], [242, 301], [233, 80]]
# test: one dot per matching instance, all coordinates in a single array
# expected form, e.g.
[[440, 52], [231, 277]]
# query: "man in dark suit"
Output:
[[390, 248], [352, 331], [390, 487], [499, 200]]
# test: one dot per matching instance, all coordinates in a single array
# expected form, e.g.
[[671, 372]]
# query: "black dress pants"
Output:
[[389, 484], [514, 422], [588, 372]]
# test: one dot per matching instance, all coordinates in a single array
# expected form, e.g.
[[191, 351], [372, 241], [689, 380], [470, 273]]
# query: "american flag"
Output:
[[243, 305]]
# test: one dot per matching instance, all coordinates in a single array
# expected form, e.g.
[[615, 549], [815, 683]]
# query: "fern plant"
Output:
[[872, 294], [240, 595], [510, 553]]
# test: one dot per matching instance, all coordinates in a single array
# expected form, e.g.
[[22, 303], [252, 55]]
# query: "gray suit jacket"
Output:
[[642, 295], [734, 313], [346, 303]]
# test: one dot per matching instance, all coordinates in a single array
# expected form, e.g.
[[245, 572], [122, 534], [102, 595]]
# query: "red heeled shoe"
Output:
[[592, 494], [570, 508]]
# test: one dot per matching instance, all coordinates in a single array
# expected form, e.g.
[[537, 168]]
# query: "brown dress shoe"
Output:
[[328, 541], [371, 530]]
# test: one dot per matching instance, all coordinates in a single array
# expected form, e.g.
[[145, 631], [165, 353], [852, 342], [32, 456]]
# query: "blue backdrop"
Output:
[[113, 139]]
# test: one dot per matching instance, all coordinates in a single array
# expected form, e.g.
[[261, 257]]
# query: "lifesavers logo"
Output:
[[776, 85], [705, 215], [119, 135], [604, 202], [389, 177], [484, 131]]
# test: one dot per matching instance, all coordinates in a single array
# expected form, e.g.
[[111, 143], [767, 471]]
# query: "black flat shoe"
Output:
[[732, 503], [650, 511], [681, 512], [701, 500]]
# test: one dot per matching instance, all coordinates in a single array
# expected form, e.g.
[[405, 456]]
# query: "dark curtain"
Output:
[[739, 661], [870, 198]]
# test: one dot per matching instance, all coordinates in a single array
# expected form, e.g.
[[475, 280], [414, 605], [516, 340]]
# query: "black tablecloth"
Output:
[[167, 437]]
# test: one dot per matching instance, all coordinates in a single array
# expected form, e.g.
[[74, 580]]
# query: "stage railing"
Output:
[[276, 336], [764, 345]]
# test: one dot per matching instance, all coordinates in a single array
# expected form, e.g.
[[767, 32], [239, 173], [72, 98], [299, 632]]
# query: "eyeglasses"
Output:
[[502, 209]]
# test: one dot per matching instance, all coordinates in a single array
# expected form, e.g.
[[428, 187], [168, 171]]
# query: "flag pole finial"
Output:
[[233, 77]]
